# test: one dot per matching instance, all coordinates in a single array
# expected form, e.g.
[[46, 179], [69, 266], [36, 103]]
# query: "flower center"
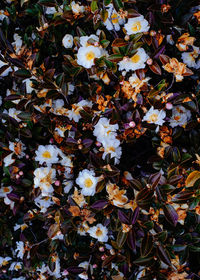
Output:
[[18, 266], [136, 26], [114, 18], [4, 262], [88, 183], [154, 117], [177, 118], [99, 232], [112, 149], [6, 189], [46, 154], [90, 55], [135, 58]]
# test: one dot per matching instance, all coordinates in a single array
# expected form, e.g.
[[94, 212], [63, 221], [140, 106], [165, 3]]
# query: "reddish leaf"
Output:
[[164, 58], [155, 68]]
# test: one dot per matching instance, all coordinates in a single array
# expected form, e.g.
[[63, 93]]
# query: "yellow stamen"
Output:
[[90, 55], [46, 154], [135, 58], [88, 183], [136, 26]]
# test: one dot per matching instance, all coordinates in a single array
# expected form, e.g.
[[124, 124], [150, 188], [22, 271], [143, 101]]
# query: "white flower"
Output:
[[17, 44], [43, 202], [67, 41], [29, 85], [74, 113], [43, 269], [189, 58], [83, 228], [113, 148], [58, 236], [87, 182], [137, 61], [7, 70], [68, 186], [20, 226], [86, 56], [58, 107], [136, 25], [78, 198], [20, 249], [56, 272], [50, 10], [76, 8], [3, 193], [8, 160], [12, 112], [16, 266], [99, 232], [114, 19], [84, 274], [103, 129], [4, 261], [66, 160], [155, 116], [17, 147], [44, 178], [84, 40], [136, 83], [2, 16], [48, 154], [42, 108], [71, 88], [180, 116], [170, 39]]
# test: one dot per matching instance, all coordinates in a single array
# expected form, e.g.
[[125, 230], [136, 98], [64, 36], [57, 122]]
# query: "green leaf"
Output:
[[80, 31], [121, 239], [194, 248], [147, 261], [115, 57], [104, 43], [48, 3], [191, 30], [104, 15], [107, 2], [23, 2], [147, 245], [94, 6], [117, 4], [24, 116], [22, 73]]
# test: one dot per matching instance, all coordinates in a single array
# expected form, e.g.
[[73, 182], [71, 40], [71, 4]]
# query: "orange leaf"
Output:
[[192, 178]]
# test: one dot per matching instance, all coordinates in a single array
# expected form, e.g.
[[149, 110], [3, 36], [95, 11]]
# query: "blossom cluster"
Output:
[[99, 139]]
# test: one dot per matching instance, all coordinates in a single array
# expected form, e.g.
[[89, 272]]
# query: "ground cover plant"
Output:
[[99, 139]]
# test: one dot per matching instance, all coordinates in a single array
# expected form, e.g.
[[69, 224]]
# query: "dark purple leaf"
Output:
[[123, 217], [135, 215], [131, 239], [14, 197], [75, 269], [163, 255], [170, 214], [100, 204]]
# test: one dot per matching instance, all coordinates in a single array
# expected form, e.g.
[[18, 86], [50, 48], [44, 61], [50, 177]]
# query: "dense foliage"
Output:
[[99, 139]]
